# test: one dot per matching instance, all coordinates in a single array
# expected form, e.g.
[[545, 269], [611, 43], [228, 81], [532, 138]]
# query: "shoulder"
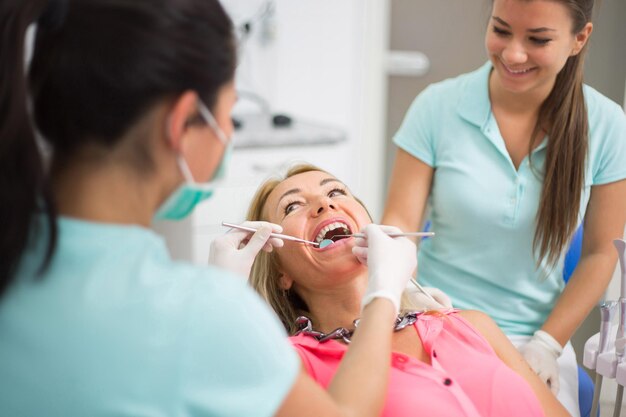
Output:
[[440, 103], [479, 320], [601, 109], [607, 138], [233, 336]]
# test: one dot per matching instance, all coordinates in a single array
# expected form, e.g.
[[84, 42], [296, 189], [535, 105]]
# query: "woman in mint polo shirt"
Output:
[[513, 157], [132, 100]]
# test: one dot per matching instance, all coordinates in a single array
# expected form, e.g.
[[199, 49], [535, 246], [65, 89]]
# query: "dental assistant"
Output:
[[513, 157], [132, 102]]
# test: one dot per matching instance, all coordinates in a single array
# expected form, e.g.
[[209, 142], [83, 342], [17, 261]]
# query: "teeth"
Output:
[[328, 228], [518, 71]]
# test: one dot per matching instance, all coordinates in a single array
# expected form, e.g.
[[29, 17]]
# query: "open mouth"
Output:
[[332, 233]]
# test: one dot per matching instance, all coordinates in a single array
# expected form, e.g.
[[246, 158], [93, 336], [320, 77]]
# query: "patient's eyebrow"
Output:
[[327, 180], [534, 30], [298, 190], [289, 192]]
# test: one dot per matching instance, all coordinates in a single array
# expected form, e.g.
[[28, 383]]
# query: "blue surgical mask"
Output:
[[190, 193]]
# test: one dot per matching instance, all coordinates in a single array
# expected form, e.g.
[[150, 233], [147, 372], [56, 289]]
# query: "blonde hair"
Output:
[[265, 274]]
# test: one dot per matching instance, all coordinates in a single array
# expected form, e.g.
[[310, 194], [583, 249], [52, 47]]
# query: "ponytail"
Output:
[[23, 185], [563, 116], [565, 162]]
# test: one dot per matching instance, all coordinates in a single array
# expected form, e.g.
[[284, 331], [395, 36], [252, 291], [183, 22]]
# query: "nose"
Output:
[[514, 53], [325, 204]]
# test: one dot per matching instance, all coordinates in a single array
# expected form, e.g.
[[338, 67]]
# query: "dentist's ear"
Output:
[[581, 38], [183, 109]]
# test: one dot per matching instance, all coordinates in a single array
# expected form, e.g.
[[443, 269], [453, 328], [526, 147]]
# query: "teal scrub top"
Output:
[[114, 327], [483, 210]]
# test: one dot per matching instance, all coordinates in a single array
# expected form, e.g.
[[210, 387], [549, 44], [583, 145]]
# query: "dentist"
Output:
[[131, 102]]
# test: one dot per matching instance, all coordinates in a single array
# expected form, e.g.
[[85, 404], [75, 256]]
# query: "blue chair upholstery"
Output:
[[585, 384]]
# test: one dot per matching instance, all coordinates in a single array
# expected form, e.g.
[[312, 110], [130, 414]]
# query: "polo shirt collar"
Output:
[[474, 105]]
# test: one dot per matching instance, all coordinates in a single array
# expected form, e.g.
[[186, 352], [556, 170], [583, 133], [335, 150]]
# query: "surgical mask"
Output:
[[190, 193]]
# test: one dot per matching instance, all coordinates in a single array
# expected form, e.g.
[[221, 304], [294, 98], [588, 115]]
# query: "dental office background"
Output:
[[328, 82]]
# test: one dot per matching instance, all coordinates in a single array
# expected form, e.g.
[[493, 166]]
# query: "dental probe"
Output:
[[423, 291], [424, 234], [277, 235]]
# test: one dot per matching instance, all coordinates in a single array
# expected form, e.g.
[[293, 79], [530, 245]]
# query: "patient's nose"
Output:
[[325, 204]]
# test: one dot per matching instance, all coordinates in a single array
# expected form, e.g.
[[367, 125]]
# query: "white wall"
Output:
[[327, 63], [323, 61]]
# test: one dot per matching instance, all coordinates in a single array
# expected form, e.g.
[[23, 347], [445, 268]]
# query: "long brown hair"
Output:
[[265, 274], [563, 116]]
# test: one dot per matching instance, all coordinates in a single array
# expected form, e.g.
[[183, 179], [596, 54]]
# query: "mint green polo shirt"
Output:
[[483, 210], [116, 328]]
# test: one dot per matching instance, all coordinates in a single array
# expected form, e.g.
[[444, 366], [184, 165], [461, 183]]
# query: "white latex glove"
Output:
[[390, 261], [441, 298], [236, 250], [541, 353]]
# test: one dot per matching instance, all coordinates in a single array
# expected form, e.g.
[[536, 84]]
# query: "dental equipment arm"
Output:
[[620, 339], [607, 311]]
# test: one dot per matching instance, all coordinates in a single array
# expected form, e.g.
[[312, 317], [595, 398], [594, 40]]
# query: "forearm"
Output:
[[360, 384], [582, 293]]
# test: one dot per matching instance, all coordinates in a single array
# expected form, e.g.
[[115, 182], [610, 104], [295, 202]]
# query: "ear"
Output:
[[183, 109], [284, 281], [581, 38]]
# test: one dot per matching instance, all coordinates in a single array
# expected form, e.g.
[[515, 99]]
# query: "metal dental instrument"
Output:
[[422, 290], [620, 339], [296, 239], [607, 311], [424, 234], [277, 235], [413, 280]]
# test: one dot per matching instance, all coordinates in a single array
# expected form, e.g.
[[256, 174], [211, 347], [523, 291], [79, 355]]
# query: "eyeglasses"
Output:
[[208, 116]]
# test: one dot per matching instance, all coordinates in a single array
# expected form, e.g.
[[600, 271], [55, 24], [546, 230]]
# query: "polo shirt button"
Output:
[[401, 359], [434, 354], [447, 382]]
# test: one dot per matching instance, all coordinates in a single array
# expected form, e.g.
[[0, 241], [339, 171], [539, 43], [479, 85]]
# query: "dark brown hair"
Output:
[[97, 67]]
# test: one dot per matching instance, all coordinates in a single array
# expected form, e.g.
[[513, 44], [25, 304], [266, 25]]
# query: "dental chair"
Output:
[[585, 383]]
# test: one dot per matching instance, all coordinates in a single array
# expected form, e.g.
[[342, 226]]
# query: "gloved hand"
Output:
[[390, 261], [420, 299], [541, 353], [236, 250]]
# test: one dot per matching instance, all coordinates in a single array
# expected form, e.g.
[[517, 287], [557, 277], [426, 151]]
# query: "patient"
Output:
[[445, 362]]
